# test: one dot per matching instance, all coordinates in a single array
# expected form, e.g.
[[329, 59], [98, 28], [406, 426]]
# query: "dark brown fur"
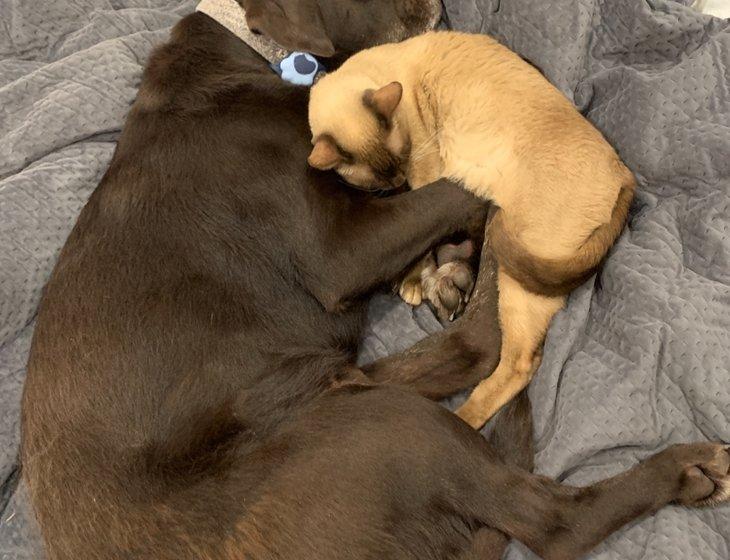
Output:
[[179, 401], [445, 362]]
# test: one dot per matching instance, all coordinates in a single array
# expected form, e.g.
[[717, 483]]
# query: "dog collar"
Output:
[[298, 68]]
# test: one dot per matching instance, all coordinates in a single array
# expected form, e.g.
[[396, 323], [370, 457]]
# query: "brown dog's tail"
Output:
[[511, 435], [556, 277], [512, 439]]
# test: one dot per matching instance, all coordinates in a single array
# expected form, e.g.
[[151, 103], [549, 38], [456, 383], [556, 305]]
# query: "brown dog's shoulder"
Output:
[[199, 62]]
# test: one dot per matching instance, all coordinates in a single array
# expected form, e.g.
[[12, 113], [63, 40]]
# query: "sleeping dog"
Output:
[[191, 391]]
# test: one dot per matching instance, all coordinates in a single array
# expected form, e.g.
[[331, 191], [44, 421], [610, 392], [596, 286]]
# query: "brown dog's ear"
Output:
[[385, 100], [294, 24], [325, 154]]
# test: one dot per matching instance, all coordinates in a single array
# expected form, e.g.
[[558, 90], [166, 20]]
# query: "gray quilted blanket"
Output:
[[640, 357]]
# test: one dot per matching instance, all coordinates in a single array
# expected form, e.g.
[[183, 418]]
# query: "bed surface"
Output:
[[640, 357]]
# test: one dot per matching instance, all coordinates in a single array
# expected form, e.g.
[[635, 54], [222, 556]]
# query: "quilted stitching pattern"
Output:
[[69, 70], [641, 356]]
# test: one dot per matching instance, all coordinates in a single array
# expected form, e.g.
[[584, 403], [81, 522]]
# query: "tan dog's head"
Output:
[[356, 131]]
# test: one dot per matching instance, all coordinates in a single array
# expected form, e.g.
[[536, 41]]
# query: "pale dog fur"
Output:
[[474, 112]]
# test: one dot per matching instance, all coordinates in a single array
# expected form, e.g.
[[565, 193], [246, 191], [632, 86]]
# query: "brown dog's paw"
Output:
[[449, 281], [712, 476], [448, 288], [705, 476]]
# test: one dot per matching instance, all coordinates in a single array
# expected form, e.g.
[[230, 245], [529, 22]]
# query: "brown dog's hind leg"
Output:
[[563, 523], [692, 475], [524, 318], [383, 473], [511, 438]]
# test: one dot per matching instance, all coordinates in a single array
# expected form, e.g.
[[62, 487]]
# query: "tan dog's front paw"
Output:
[[411, 292], [449, 282], [448, 289], [410, 288]]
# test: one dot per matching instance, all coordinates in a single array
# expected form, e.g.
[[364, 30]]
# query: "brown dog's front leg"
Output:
[[457, 358], [373, 240]]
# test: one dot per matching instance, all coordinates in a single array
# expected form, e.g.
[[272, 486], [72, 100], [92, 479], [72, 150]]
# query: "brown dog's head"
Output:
[[340, 27]]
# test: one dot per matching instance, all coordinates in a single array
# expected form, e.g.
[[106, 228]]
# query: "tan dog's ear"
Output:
[[383, 101], [325, 154], [294, 24]]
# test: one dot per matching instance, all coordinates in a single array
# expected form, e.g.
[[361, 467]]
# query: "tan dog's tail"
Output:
[[557, 277]]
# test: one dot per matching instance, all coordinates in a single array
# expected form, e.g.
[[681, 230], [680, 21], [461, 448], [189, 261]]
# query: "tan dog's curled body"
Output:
[[464, 107]]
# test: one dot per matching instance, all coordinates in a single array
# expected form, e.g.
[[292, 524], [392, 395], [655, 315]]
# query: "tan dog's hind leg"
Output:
[[524, 318]]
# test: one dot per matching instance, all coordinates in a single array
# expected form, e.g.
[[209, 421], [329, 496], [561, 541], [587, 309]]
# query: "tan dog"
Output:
[[466, 108]]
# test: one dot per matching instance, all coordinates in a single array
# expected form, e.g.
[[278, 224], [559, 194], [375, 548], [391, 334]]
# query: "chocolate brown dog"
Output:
[[187, 393]]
